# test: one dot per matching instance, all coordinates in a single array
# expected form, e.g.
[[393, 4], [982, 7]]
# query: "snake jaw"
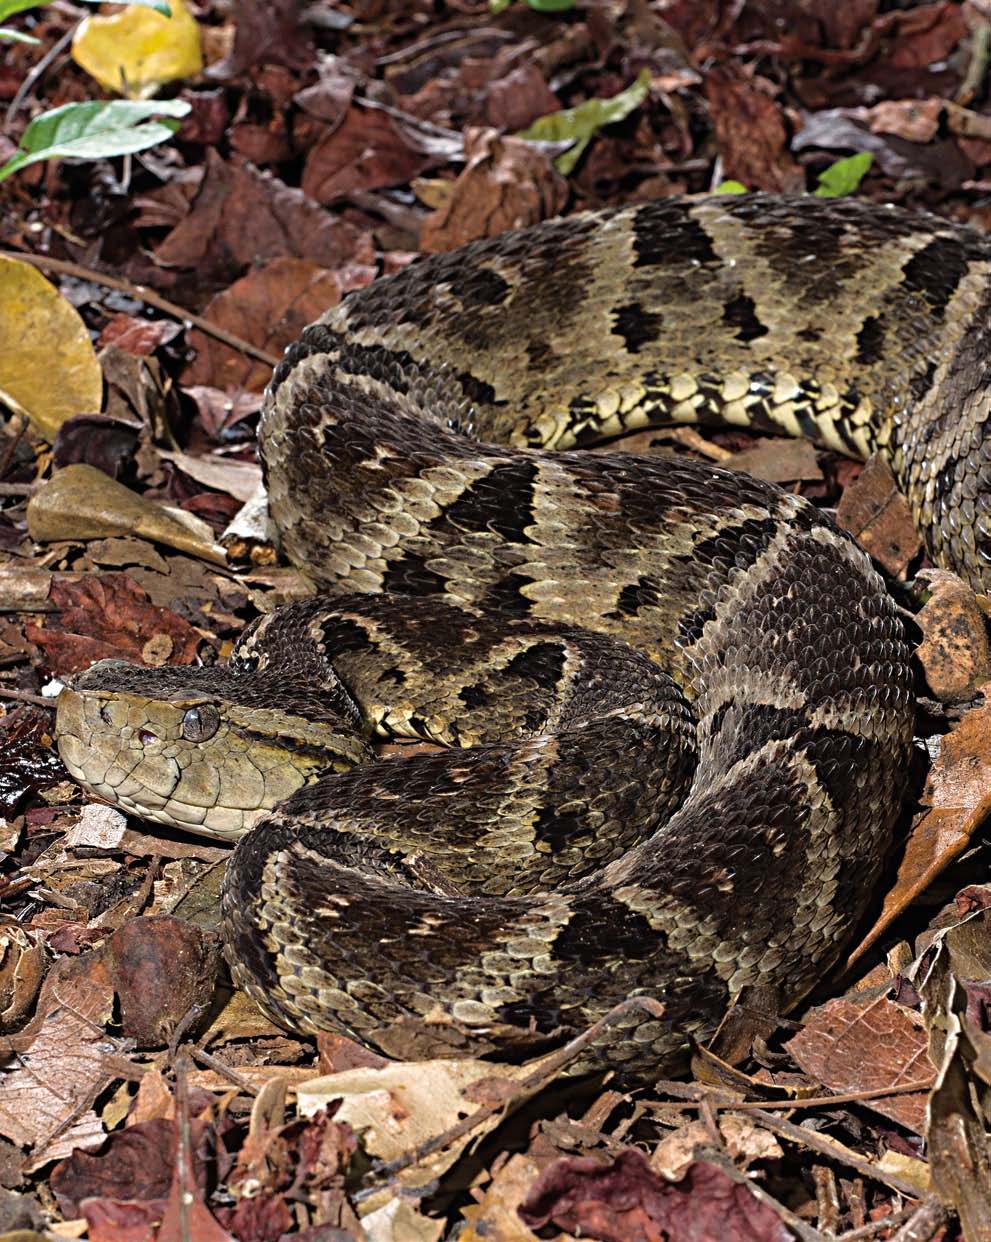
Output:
[[189, 759]]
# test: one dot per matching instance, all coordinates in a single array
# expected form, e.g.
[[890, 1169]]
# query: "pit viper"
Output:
[[671, 705]]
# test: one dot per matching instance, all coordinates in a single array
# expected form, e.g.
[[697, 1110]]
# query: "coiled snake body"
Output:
[[691, 816]]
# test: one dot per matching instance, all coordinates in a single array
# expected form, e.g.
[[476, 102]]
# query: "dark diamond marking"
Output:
[[741, 313], [660, 233], [410, 576], [500, 502], [542, 663], [936, 271], [870, 341], [636, 326]]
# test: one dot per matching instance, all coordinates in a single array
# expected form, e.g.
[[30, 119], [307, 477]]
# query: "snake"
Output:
[[665, 709]]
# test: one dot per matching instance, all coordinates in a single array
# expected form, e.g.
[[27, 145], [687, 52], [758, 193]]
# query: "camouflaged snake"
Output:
[[677, 702]]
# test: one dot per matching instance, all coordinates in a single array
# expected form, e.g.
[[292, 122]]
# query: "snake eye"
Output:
[[200, 723]]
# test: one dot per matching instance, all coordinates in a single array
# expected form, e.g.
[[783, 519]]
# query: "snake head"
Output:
[[204, 749]]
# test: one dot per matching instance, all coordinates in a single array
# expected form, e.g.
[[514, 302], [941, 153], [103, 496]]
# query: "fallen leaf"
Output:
[[496, 1216], [241, 216], [136, 1163], [395, 1108], [48, 368], [620, 1198], [580, 124], [269, 307], [956, 1133], [373, 148], [750, 131], [108, 617], [63, 1061], [22, 967], [161, 967], [778, 461], [954, 651], [135, 50], [852, 1047], [80, 502], [506, 184], [878, 516]]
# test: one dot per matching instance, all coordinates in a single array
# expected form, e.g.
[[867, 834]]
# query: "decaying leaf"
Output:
[[48, 367], [396, 1108], [853, 1047], [506, 184], [875, 512], [621, 1197], [954, 651], [269, 307]]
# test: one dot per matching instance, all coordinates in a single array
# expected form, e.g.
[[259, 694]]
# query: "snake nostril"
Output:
[[145, 737]]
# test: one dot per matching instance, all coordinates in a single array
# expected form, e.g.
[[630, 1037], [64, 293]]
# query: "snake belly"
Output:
[[676, 701]]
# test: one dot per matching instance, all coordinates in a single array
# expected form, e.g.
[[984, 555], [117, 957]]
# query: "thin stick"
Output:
[[143, 294], [821, 1101], [25, 87], [24, 696], [836, 1150]]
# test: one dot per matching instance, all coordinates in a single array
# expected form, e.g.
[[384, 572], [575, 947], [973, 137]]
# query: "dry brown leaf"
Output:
[[22, 967], [269, 307], [778, 461], [876, 513], [162, 968], [954, 651], [108, 617], [48, 368], [63, 1061], [750, 132], [496, 1217], [370, 149], [395, 1108], [506, 184], [852, 1047], [241, 216]]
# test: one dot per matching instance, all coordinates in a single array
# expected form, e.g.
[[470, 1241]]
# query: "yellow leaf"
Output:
[[48, 367], [134, 51]]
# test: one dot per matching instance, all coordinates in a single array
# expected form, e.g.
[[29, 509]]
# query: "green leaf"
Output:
[[731, 187], [95, 130], [160, 6], [551, 6], [9, 7], [15, 36], [582, 122], [497, 6], [844, 176]]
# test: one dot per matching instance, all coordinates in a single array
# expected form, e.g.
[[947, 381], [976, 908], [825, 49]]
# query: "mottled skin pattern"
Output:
[[423, 445]]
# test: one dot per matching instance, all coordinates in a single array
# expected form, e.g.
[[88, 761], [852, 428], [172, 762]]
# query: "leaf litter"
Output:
[[140, 1097]]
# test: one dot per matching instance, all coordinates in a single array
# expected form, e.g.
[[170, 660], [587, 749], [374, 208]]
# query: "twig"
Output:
[[25, 87], [143, 294], [834, 1149], [875, 1226], [820, 1101], [547, 1069], [17, 489], [225, 1071], [25, 696], [924, 1223]]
